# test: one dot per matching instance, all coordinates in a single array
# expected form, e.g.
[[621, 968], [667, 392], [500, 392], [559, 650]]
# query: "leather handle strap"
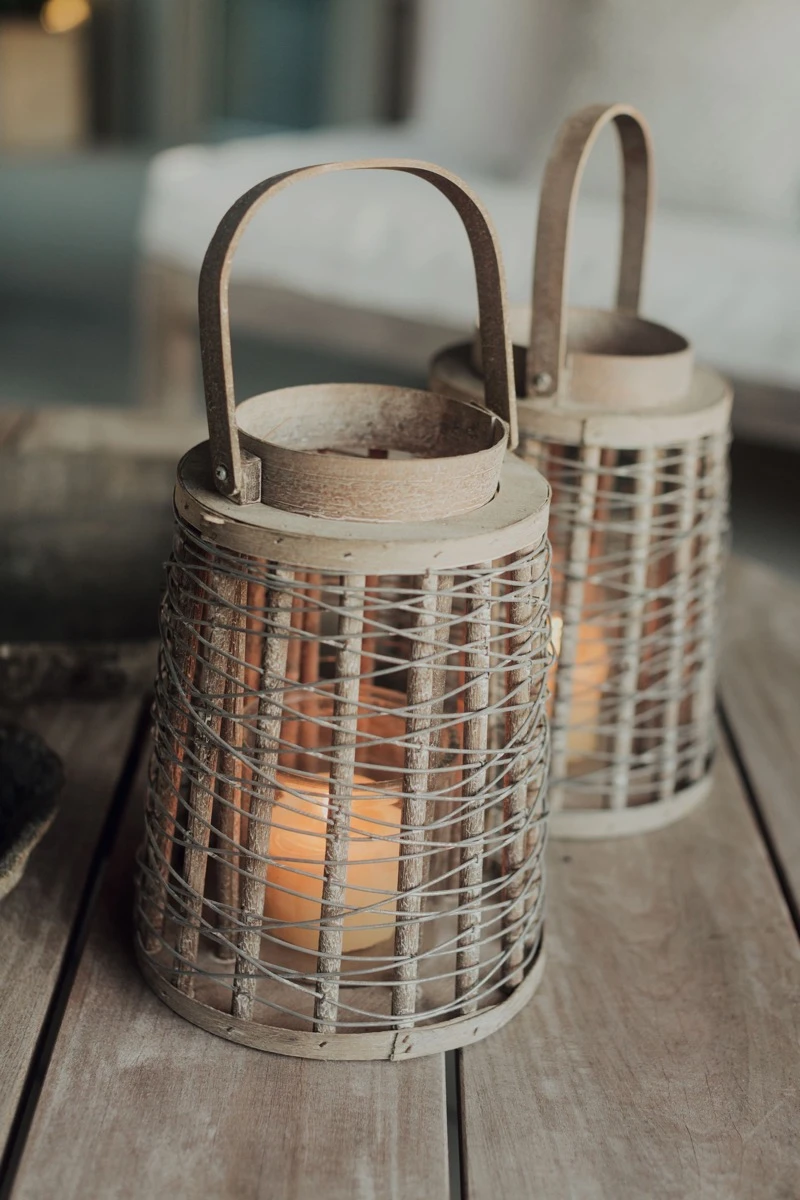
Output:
[[559, 196], [231, 468]]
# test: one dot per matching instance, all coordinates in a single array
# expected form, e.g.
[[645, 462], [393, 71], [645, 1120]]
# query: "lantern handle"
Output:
[[234, 474], [546, 354]]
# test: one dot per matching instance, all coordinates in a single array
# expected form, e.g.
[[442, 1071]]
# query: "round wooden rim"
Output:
[[514, 519], [394, 1045], [578, 825], [287, 429], [614, 361], [704, 410]]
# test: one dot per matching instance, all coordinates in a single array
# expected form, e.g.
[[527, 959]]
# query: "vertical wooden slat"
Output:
[[253, 651], [369, 644], [515, 806], [678, 632], [277, 637], [420, 700], [309, 652], [295, 643], [343, 755], [309, 733], [710, 556], [256, 600], [648, 743], [576, 570], [440, 863], [208, 726], [629, 658], [231, 775], [539, 748], [476, 734], [166, 779]]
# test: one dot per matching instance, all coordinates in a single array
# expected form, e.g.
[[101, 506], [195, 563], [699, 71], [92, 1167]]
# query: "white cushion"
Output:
[[720, 84], [387, 242]]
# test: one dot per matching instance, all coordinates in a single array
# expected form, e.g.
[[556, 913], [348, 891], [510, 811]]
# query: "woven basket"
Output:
[[632, 436], [345, 825]]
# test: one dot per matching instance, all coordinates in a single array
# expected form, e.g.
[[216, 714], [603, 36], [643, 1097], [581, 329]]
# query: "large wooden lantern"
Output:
[[633, 437], [345, 825]]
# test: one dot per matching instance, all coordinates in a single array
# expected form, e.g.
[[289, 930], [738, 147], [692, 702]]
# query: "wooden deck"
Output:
[[660, 1058]]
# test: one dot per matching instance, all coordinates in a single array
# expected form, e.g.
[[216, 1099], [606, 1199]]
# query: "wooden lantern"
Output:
[[633, 438], [345, 824]]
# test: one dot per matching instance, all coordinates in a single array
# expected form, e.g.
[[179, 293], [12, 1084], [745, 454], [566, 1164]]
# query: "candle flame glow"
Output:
[[297, 851]]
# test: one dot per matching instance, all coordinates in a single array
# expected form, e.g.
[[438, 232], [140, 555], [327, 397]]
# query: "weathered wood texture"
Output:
[[44, 672], [139, 1103], [82, 544], [170, 384], [660, 1057], [760, 688], [170, 381], [86, 497], [37, 917], [122, 433]]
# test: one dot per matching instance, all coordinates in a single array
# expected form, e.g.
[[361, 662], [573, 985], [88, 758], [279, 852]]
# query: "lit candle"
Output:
[[589, 674], [297, 857]]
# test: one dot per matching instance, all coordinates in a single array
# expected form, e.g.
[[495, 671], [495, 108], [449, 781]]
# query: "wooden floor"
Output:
[[659, 1059]]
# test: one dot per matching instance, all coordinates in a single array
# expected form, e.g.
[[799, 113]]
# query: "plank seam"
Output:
[[791, 902], [73, 952], [463, 1175], [455, 1162]]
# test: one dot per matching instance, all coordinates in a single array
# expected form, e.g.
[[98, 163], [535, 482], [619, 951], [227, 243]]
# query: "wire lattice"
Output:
[[639, 540], [345, 823]]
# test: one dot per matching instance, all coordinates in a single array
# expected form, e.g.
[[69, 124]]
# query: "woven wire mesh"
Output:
[[639, 540], [346, 812]]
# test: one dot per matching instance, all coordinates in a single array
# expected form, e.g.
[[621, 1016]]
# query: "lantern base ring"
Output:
[[580, 825], [393, 1045]]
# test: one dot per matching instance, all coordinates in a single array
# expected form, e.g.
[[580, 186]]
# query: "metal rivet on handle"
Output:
[[221, 473], [542, 381]]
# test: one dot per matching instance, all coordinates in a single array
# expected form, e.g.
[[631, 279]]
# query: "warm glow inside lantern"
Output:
[[632, 437]]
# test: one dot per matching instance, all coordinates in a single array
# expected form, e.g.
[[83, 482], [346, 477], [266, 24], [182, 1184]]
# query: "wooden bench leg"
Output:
[[166, 341]]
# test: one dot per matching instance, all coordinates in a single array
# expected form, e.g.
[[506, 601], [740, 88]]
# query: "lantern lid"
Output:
[[515, 517], [356, 451], [585, 361], [703, 410], [614, 361], [359, 451]]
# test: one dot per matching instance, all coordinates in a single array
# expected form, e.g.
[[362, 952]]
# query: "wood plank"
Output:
[[125, 433], [12, 422], [44, 672], [766, 413], [37, 917], [168, 312], [139, 1103], [660, 1057], [760, 687], [82, 545]]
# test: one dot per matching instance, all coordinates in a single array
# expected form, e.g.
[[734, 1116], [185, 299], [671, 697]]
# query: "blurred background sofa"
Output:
[[381, 270], [128, 126]]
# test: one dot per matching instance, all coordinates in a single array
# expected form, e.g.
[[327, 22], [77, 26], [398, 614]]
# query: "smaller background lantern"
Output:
[[345, 826], [633, 437]]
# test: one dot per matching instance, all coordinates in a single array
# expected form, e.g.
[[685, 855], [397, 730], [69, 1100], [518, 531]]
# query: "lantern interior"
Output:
[[638, 546], [344, 830]]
